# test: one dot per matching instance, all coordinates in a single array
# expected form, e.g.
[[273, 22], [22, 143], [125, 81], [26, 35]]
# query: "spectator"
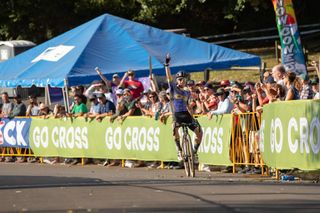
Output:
[[106, 108], [7, 106], [33, 107], [237, 99], [59, 111], [264, 92], [126, 107], [279, 73], [290, 82], [44, 110], [78, 90], [94, 106], [315, 88], [79, 108], [115, 80], [166, 110], [120, 110], [19, 109], [224, 105], [210, 101], [266, 75], [100, 87], [306, 91], [194, 102], [135, 86], [6, 110], [152, 106], [278, 92], [120, 107], [225, 83]]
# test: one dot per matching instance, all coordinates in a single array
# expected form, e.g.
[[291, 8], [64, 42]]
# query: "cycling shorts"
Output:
[[185, 117]]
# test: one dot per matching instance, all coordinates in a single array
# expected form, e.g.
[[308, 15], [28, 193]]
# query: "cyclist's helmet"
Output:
[[181, 74]]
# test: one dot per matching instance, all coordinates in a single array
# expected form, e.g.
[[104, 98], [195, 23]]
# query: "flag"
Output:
[[291, 50]]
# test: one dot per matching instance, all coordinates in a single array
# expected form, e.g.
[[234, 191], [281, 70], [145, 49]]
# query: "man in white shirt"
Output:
[[224, 107]]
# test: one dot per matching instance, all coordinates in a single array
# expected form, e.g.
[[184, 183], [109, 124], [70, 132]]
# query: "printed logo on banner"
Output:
[[15, 132]]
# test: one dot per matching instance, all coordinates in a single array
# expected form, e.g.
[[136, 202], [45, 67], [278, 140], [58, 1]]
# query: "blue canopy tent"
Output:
[[115, 45]]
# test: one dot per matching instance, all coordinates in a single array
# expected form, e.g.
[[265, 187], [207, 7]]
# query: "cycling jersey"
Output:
[[179, 97]]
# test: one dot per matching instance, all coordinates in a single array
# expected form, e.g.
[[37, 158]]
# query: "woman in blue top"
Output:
[[290, 82], [181, 112]]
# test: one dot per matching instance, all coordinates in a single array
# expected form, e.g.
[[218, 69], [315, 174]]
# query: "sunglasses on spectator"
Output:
[[180, 79], [151, 96]]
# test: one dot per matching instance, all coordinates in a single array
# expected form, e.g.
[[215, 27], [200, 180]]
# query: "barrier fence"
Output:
[[288, 136]]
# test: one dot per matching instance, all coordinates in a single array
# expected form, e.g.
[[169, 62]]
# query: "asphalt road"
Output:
[[57, 188]]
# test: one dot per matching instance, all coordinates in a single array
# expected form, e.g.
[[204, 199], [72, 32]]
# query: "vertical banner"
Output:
[[291, 51]]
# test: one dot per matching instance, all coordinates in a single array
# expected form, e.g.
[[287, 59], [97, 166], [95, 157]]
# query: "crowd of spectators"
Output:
[[119, 98]]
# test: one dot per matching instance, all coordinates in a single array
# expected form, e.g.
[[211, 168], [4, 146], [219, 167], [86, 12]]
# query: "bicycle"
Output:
[[187, 151]]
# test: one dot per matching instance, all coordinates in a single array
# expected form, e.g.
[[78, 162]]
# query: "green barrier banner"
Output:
[[140, 138], [290, 135], [216, 140]]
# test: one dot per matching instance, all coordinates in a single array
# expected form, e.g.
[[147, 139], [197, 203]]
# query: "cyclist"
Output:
[[181, 112]]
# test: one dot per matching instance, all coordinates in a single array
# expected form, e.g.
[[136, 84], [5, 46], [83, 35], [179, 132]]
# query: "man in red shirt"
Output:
[[135, 86]]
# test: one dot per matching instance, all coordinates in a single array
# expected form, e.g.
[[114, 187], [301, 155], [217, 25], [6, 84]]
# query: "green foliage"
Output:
[[40, 20], [151, 9]]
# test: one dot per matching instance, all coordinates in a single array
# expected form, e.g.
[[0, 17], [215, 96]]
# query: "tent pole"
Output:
[[66, 95]]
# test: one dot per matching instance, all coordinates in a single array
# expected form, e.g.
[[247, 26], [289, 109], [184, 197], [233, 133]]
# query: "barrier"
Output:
[[245, 141], [138, 138], [288, 136], [15, 152]]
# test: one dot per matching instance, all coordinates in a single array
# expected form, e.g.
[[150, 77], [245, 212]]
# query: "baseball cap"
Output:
[[115, 75], [220, 91], [209, 86]]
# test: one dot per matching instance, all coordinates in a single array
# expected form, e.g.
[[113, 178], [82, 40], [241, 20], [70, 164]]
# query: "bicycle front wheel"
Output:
[[186, 157], [191, 156]]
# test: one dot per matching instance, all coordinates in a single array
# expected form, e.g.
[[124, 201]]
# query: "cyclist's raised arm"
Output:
[[167, 68]]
